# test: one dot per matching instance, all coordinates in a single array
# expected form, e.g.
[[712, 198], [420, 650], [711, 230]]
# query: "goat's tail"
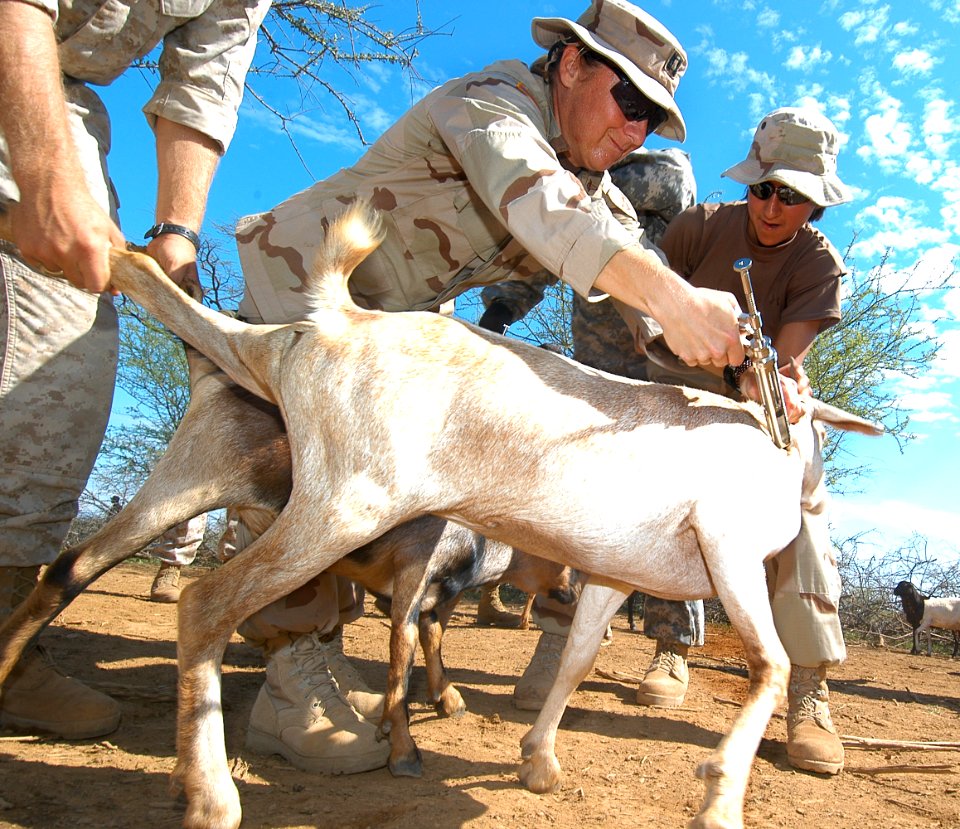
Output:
[[352, 236], [842, 419], [226, 341]]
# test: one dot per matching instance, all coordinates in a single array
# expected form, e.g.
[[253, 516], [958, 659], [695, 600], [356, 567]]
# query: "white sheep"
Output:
[[924, 613]]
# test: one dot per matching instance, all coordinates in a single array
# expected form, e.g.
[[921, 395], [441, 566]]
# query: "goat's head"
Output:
[[906, 590]]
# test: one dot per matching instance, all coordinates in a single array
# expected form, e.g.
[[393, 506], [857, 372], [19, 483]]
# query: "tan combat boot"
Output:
[[166, 584], [352, 686], [665, 682], [532, 688], [37, 698], [301, 715], [491, 611], [812, 741]]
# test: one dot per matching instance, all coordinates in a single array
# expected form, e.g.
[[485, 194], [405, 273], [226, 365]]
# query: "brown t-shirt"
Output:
[[797, 281]]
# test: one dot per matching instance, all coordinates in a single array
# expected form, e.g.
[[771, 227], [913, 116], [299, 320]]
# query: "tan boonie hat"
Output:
[[639, 44], [798, 148]]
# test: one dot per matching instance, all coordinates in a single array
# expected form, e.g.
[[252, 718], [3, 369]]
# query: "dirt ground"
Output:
[[624, 765]]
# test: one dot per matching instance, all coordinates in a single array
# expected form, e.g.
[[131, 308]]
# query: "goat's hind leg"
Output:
[[155, 509], [727, 770], [302, 542], [540, 771], [444, 696]]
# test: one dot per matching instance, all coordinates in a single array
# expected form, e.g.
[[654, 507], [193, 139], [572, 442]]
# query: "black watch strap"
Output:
[[180, 230]]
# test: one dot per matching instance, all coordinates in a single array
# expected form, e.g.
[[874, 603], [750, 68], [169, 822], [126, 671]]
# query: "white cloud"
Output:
[[913, 62], [897, 224], [732, 70], [888, 135], [939, 127], [768, 18], [867, 25], [807, 58]]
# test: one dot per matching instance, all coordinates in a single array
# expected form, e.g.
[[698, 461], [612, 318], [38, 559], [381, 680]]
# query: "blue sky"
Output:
[[884, 72]]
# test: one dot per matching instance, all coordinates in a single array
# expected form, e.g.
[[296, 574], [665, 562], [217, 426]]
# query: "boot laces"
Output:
[[313, 672], [664, 660], [808, 699]]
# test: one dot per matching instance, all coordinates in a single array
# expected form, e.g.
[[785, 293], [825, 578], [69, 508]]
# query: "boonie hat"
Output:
[[649, 55], [798, 148]]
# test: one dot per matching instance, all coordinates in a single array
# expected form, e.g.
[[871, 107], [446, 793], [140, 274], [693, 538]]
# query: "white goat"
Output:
[[924, 613], [391, 416]]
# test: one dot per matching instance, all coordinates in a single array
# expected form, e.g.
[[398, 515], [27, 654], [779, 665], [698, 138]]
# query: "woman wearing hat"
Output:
[[791, 177], [493, 176]]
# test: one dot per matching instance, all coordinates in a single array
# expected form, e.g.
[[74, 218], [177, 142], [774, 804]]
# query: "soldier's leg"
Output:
[[59, 359], [676, 626], [805, 596], [59, 364], [176, 548], [313, 707]]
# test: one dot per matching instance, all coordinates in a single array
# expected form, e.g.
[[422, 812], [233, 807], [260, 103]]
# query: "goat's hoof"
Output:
[[711, 819], [451, 704], [541, 775], [409, 765], [208, 812]]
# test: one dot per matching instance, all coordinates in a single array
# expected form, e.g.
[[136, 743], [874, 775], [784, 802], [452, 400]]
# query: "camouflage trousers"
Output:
[[180, 543], [58, 365], [322, 604], [58, 370]]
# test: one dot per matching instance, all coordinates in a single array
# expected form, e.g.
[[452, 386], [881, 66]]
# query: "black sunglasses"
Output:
[[787, 195], [634, 105]]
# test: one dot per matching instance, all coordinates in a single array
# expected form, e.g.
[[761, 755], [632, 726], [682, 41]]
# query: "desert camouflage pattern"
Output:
[[208, 46], [472, 192], [58, 362]]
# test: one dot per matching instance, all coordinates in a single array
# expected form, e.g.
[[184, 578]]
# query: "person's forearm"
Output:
[[186, 162], [33, 114], [57, 224], [699, 325]]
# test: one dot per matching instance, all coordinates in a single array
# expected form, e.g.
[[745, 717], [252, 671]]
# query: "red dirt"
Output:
[[624, 765]]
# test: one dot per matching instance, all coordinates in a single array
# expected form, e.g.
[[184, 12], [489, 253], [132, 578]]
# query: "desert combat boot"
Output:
[[37, 698], [301, 714], [365, 700], [812, 741], [665, 682], [491, 612]]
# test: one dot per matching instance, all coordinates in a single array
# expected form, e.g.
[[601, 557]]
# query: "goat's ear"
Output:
[[845, 420]]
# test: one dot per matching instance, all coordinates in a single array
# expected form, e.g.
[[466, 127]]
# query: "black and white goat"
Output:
[[924, 613]]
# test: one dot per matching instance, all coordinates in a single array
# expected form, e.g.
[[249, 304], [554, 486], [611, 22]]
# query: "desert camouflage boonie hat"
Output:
[[639, 44], [796, 147]]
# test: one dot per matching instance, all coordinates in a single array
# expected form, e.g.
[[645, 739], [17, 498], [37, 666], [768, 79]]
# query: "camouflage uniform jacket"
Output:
[[472, 190], [208, 46]]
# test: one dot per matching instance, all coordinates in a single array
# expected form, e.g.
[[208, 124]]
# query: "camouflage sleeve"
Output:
[[203, 66], [520, 296], [497, 133]]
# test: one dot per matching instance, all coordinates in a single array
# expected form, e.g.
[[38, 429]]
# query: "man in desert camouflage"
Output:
[[60, 337]]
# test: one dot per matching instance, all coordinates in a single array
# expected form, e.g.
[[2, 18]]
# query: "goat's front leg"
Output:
[[443, 695], [540, 771], [727, 770]]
